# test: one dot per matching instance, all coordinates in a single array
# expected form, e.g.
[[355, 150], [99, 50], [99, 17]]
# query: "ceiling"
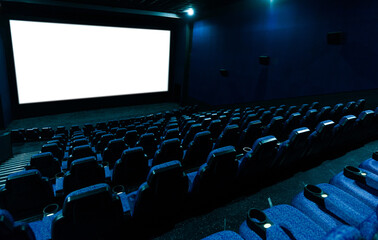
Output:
[[201, 7]]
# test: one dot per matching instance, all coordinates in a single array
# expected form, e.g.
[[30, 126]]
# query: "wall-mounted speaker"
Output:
[[264, 60], [336, 38]]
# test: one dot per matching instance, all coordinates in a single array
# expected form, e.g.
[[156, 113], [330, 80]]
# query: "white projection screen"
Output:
[[55, 61]]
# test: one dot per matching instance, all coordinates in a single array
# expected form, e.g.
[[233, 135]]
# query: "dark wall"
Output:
[[293, 33], [5, 98]]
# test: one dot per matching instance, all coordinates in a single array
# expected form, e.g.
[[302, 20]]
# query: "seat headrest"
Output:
[[227, 153], [299, 134], [264, 141], [327, 124], [27, 180], [165, 172]]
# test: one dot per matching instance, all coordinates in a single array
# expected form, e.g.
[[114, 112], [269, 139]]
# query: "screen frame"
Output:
[[91, 17], [17, 25]]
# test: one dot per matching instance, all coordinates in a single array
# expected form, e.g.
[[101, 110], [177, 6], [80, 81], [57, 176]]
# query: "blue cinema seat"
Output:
[[275, 128], [77, 153], [224, 235], [364, 126], [131, 137], [93, 212], [291, 123], [323, 114], [293, 149], [371, 164], [343, 132], [359, 183], [11, 230], [320, 139], [169, 150], [330, 207], [46, 164], [160, 199], [309, 119], [149, 144], [53, 148], [215, 177], [249, 135], [83, 172], [198, 150], [195, 128], [26, 193], [215, 128], [103, 142], [259, 160], [229, 136], [336, 112], [114, 151], [280, 222]]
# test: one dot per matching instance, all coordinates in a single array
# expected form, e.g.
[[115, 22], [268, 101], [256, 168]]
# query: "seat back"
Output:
[[170, 150], [46, 164], [229, 136], [197, 150], [149, 144], [132, 168], [114, 151]]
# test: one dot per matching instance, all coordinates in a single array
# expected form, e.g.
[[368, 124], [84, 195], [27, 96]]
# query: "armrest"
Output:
[[58, 187]]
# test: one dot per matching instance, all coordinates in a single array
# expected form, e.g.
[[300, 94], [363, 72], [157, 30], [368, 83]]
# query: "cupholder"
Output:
[[355, 174], [258, 222], [50, 209], [118, 189], [315, 194], [59, 175], [246, 149]]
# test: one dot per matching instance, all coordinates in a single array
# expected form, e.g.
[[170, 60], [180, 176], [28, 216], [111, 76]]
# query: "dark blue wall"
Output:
[[294, 34], [4, 87]]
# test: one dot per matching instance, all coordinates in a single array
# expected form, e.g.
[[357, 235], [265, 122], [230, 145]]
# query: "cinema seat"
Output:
[[274, 128], [131, 169], [245, 121], [336, 112], [279, 112], [46, 164], [330, 207], [224, 235], [266, 117], [80, 152], [103, 143], [315, 105], [160, 199], [171, 133], [215, 128], [93, 212], [342, 136], [26, 193], [97, 136], [304, 108], [214, 178], [249, 135], [195, 128], [61, 130], [289, 111], [169, 150], [280, 222], [359, 183], [131, 137], [82, 173], [149, 144], [17, 136], [11, 230], [309, 119], [371, 164], [363, 126], [260, 159], [113, 151], [292, 150], [80, 141], [320, 139], [120, 133], [291, 123], [323, 114], [32, 134], [47, 133], [360, 106], [101, 126], [198, 150], [53, 148], [229, 136]]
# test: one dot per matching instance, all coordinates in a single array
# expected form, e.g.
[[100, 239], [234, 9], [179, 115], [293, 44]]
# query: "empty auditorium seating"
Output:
[[83, 172], [103, 142], [46, 164], [229, 136], [320, 139], [113, 151], [275, 128], [215, 177], [149, 144], [26, 193], [160, 199], [9, 229], [169, 150], [258, 160], [53, 148], [249, 135], [93, 212], [131, 169], [79, 152], [371, 164], [197, 150]]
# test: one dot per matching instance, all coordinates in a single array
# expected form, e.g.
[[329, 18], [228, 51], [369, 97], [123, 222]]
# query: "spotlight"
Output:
[[190, 11]]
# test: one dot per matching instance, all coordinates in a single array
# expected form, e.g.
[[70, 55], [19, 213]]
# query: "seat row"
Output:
[[346, 208]]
